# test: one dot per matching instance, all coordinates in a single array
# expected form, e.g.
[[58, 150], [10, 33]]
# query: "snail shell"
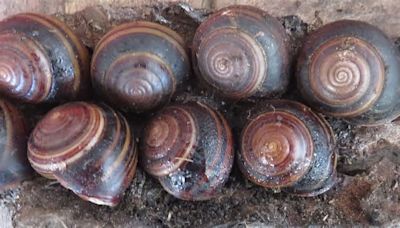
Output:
[[189, 148], [88, 148], [285, 145], [351, 69], [138, 66], [41, 60], [240, 52], [14, 165]]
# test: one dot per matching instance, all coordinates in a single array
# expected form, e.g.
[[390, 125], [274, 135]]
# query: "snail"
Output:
[[350, 69], [87, 148], [242, 52], [138, 66], [284, 145], [189, 149], [41, 60], [14, 165]]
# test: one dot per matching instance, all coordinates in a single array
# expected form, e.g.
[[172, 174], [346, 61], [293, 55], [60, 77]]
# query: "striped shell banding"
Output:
[[286, 145], [138, 66], [241, 52], [189, 148], [88, 148], [41, 60], [350, 69]]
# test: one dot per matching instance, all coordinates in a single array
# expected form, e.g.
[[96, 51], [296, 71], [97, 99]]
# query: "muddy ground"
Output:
[[368, 191]]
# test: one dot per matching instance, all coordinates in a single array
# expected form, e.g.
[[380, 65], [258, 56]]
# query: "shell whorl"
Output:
[[232, 62], [286, 145], [241, 52], [88, 148], [348, 74], [189, 148], [169, 141], [278, 147], [46, 62], [349, 69], [25, 68], [140, 64], [141, 79]]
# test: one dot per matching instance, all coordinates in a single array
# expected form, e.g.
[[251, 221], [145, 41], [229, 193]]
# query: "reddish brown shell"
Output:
[[14, 165], [88, 148], [286, 145], [240, 52], [139, 65], [351, 69], [189, 148], [41, 60], [282, 156]]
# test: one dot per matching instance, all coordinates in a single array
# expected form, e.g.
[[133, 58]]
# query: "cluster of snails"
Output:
[[346, 69]]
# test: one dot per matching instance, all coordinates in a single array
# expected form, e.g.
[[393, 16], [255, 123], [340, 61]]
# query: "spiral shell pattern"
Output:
[[42, 60], [171, 135], [232, 62], [25, 69], [349, 69], [285, 145], [241, 51], [88, 148], [342, 72], [14, 165], [141, 80], [189, 148], [140, 64], [278, 147]]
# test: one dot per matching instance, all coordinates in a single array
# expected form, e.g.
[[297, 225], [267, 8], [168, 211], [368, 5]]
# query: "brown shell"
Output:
[[138, 66], [88, 148], [41, 60], [241, 52], [351, 69], [189, 148], [286, 145]]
